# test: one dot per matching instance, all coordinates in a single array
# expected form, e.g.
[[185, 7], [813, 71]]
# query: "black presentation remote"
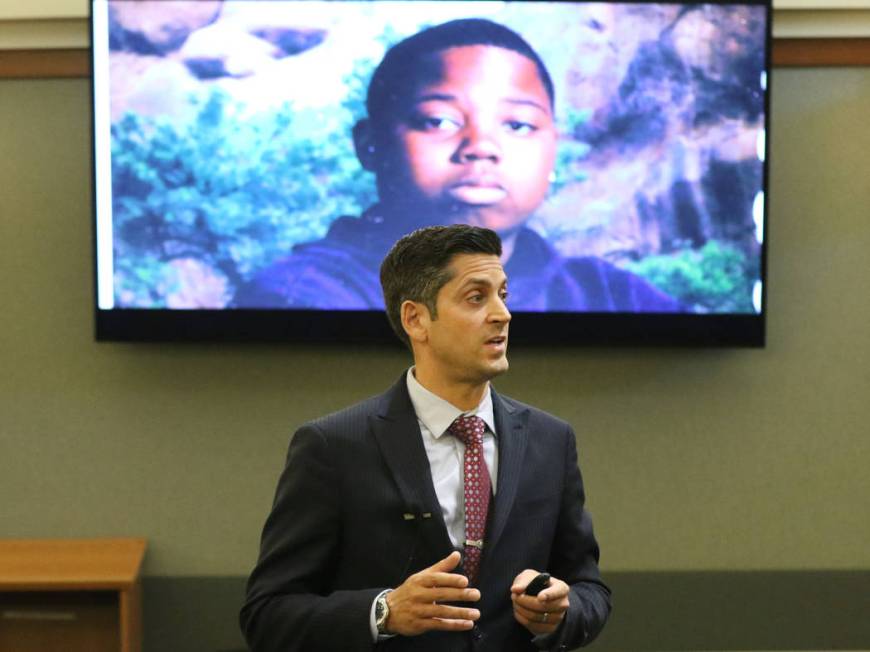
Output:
[[538, 584]]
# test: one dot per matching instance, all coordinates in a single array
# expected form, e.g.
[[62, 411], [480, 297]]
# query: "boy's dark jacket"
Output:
[[342, 271], [337, 534]]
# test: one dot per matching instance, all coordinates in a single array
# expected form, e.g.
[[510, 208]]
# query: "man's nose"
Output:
[[479, 143], [500, 311]]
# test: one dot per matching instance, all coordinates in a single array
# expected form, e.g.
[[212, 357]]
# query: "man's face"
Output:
[[468, 338], [475, 143]]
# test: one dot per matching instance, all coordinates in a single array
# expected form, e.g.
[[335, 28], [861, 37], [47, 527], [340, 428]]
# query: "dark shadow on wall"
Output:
[[739, 610]]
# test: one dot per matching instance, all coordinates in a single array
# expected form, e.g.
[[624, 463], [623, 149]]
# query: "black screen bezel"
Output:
[[361, 327]]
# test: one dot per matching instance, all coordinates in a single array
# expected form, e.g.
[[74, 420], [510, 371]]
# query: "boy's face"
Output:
[[475, 142]]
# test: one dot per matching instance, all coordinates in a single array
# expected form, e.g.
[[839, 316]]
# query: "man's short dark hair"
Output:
[[416, 268], [400, 70]]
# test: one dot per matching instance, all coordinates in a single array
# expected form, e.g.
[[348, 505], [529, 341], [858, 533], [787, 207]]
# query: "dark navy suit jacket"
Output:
[[338, 533]]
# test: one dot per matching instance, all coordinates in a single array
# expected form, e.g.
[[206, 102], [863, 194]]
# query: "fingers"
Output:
[[438, 584], [416, 605], [445, 594], [535, 610], [555, 592], [447, 612], [522, 580], [540, 614], [412, 618], [449, 563], [543, 624], [454, 580], [538, 622], [448, 625]]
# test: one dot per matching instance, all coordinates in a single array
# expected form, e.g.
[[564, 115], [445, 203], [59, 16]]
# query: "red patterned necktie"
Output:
[[470, 430]]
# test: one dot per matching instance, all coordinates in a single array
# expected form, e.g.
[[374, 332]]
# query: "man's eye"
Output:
[[504, 295], [520, 127]]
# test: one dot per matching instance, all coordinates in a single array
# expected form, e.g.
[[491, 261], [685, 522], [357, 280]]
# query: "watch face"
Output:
[[381, 611]]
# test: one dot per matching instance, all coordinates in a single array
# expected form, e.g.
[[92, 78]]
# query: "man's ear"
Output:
[[415, 320], [364, 144]]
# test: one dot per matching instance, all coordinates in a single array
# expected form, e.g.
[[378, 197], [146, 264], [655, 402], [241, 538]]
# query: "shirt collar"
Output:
[[437, 414]]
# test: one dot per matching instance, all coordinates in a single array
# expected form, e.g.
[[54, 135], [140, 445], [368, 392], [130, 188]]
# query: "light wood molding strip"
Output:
[[794, 52]]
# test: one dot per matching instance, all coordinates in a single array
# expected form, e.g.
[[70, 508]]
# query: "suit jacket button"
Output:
[[476, 634]]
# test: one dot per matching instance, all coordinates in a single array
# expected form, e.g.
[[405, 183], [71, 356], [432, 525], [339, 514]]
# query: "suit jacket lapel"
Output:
[[510, 422], [398, 435]]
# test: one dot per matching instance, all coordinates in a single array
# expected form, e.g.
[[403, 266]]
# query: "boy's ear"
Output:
[[415, 320], [364, 144]]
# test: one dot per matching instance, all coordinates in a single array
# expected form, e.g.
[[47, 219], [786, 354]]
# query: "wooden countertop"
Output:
[[70, 564]]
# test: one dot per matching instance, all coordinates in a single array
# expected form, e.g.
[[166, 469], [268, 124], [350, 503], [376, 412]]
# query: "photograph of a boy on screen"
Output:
[[460, 129], [266, 155]]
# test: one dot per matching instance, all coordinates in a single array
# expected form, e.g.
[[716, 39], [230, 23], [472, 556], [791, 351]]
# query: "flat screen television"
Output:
[[254, 161]]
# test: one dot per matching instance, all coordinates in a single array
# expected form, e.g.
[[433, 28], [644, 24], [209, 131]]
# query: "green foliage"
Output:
[[715, 278], [571, 152], [234, 191]]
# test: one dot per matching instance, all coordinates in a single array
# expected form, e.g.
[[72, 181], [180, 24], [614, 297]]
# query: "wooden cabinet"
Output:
[[79, 595]]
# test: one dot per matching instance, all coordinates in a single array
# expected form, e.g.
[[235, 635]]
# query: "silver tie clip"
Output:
[[477, 543]]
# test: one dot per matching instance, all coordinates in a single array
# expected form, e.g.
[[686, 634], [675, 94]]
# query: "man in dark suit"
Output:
[[416, 519]]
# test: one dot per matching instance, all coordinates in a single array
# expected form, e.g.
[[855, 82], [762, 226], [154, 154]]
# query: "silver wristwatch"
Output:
[[382, 612]]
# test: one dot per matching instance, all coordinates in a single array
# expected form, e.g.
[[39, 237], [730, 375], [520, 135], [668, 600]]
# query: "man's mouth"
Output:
[[497, 341]]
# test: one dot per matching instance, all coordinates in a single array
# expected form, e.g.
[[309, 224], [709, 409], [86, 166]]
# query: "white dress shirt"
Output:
[[446, 455]]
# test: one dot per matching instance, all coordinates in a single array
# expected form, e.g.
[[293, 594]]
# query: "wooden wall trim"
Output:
[[801, 52], [793, 52], [44, 64]]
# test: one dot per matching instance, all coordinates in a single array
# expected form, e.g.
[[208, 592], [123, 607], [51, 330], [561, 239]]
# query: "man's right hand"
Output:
[[415, 606]]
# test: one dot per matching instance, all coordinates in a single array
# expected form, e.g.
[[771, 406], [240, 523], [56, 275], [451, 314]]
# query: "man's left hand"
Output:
[[542, 613]]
